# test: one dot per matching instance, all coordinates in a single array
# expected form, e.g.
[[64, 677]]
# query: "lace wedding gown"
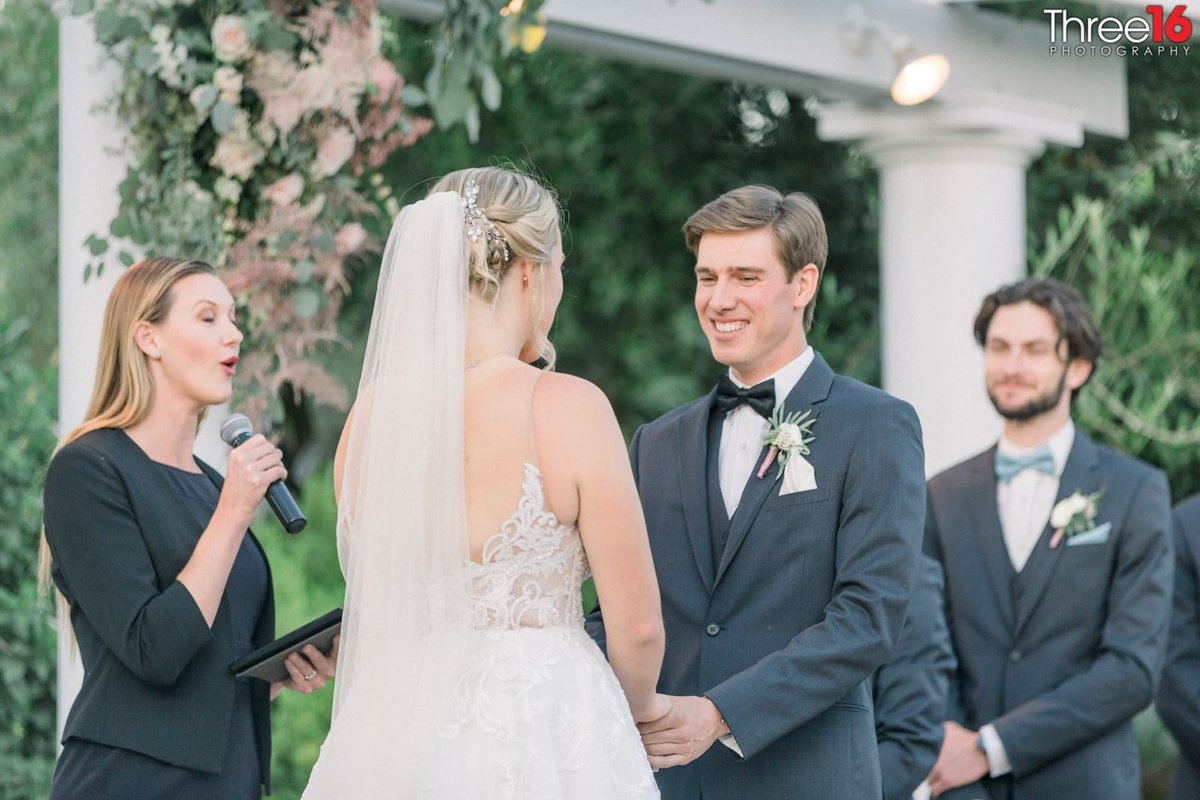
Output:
[[538, 714]]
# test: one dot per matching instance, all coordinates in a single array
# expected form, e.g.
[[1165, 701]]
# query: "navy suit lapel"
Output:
[[812, 389], [692, 446], [985, 517], [1080, 474]]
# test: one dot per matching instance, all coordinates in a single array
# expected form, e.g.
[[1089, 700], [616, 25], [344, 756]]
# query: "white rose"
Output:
[[229, 83], [160, 33], [788, 436], [202, 98], [335, 150], [230, 42], [1066, 509], [227, 189], [284, 191], [237, 154]]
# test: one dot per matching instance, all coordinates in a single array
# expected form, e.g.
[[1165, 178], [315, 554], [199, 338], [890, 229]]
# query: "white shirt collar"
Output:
[[788, 376], [1060, 446]]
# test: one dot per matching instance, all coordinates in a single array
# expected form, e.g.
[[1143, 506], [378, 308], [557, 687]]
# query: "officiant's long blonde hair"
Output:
[[124, 390]]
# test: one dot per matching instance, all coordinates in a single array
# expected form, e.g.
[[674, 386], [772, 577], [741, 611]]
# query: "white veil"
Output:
[[402, 518]]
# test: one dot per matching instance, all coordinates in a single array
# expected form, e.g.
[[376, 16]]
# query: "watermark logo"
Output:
[[1161, 32]]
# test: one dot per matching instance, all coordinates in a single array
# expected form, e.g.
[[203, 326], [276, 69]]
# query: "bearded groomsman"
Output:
[[1058, 561], [1179, 696]]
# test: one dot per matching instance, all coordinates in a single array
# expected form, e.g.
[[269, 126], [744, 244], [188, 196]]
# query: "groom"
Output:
[[783, 586]]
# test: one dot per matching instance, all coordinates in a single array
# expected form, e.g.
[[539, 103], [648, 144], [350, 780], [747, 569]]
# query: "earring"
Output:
[[156, 355], [525, 281]]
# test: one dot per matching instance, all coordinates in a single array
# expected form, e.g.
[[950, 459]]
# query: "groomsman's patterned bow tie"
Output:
[[760, 396], [1008, 467]]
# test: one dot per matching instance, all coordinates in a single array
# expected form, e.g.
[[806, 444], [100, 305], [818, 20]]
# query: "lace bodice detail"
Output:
[[531, 569]]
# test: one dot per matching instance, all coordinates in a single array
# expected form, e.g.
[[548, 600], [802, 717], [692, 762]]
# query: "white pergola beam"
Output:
[[802, 46]]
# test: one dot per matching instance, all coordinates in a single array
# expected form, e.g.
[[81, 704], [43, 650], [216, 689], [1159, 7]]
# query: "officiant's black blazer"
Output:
[[1179, 694], [1061, 656], [156, 678]]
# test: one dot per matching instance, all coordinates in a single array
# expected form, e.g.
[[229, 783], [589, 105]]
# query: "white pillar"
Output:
[[89, 174], [91, 169], [952, 229]]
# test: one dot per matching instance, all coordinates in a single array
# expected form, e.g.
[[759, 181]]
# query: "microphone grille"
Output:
[[234, 426]]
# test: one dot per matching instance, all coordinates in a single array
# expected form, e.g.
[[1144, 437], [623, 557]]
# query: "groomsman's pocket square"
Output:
[[798, 476], [1097, 535]]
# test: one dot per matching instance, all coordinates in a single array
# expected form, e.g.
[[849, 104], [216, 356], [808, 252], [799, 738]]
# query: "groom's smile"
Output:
[[750, 312]]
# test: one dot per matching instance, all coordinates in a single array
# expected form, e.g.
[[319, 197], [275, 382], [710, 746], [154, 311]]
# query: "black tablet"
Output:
[[266, 662]]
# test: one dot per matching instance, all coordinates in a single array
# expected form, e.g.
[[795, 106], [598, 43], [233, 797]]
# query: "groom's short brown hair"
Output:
[[794, 219]]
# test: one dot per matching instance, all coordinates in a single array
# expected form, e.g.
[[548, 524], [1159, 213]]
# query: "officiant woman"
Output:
[[151, 553]]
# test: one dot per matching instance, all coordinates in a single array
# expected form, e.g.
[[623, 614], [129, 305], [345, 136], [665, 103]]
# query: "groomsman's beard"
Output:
[[1035, 407]]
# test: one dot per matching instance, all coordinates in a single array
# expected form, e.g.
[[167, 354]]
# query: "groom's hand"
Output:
[[684, 734], [960, 762]]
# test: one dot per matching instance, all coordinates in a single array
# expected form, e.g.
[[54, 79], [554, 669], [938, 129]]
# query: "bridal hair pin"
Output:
[[477, 222]]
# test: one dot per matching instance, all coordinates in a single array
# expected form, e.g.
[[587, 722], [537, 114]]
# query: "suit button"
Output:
[[1014, 656], [712, 629]]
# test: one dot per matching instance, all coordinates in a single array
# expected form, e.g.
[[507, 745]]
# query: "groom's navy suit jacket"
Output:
[[781, 615], [1061, 656], [1179, 695]]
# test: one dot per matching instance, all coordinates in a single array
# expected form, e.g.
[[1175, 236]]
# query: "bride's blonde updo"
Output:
[[524, 213], [521, 221]]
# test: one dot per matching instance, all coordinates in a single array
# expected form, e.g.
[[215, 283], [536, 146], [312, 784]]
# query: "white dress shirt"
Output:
[[743, 430], [742, 440], [1025, 504]]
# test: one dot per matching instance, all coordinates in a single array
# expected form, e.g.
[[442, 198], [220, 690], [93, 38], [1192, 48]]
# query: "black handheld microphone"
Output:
[[236, 429]]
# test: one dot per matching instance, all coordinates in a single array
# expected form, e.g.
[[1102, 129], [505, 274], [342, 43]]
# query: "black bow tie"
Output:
[[760, 396]]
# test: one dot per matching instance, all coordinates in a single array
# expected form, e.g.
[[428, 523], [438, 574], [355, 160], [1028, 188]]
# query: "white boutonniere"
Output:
[[1074, 514], [787, 436]]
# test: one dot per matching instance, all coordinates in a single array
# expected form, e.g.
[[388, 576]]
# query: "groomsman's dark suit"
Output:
[[910, 689], [1179, 695], [1060, 656], [781, 615]]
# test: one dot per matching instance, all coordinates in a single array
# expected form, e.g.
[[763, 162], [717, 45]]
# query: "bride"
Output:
[[475, 494]]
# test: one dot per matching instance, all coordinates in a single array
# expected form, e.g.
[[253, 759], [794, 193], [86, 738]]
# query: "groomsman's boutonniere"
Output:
[[786, 436], [1074, 514]]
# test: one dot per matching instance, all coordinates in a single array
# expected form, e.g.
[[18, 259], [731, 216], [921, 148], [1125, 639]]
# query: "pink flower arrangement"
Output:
[[289, 114]]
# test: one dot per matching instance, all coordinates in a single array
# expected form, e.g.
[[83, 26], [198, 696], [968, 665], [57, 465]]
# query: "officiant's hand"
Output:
[[309, 669], [684, 734], [960, 762]]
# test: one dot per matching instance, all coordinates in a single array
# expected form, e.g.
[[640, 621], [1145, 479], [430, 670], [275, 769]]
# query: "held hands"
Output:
[[685, 733], [309, 669], [253, 466], [960, 762]]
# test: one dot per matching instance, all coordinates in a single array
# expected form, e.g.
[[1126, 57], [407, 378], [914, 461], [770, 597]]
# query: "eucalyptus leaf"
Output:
[[306, 301], [413, 95], [223, 115], [80, 7], [471, 121], [96, 245], [126, 258], [128, 27], [323, 241], [144, 58], [304, 269], [208, 96], [107, 20], [489, 87], [276, 38]]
